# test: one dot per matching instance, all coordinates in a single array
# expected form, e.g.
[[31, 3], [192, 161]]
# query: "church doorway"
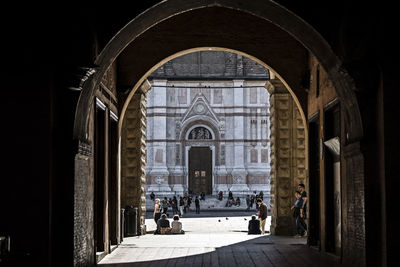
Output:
[[200, 176]]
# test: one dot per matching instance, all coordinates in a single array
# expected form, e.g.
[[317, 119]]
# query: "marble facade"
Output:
[[208, 99]]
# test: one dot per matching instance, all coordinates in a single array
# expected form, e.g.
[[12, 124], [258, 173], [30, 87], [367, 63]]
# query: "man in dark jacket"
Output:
[[263, 214], [197, 203], [254, 226], [163, 226]]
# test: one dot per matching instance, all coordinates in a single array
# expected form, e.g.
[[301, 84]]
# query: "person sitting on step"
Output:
[[163, 227], [254, 226], [176, 226], [237, 201]]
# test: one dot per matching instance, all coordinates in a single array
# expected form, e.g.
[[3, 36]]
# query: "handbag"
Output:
[[165, 230]]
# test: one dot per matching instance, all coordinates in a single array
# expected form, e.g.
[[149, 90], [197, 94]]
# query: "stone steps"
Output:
[[210, 203]]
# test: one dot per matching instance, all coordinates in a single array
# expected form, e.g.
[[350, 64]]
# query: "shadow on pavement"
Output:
[[260, 251]]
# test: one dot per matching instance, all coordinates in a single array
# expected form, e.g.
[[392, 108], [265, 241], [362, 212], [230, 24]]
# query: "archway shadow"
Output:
[[261, 251]]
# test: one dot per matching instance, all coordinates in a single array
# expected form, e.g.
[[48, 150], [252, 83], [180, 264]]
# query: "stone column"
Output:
[[133, 158], [239, 172], [288, 156]]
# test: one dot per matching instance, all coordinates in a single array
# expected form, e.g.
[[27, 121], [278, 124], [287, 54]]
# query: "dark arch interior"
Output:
[[48, 166]]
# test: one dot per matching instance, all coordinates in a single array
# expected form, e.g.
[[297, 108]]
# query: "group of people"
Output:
[[161, 219], [164, 228], [232, 202], [299, 211], [299, 214], [179, 206], [250, 200], [256, 226]]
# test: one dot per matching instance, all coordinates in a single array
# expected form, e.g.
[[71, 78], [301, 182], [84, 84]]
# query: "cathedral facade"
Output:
[[208, 126]]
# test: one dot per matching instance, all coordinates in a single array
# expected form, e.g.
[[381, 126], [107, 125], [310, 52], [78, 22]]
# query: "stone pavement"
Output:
[[213, 241]]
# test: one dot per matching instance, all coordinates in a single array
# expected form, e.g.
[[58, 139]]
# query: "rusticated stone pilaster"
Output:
[[133, 158], [288, 160]]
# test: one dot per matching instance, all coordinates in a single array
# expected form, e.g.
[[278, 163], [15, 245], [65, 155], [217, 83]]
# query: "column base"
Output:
[[178, 189], [240, 190], [162, 190], [284, 226]]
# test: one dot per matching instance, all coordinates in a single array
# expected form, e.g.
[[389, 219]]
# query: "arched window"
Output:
[[200, 133]]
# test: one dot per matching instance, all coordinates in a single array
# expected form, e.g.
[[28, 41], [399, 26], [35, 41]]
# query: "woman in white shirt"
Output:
[[177, 226]]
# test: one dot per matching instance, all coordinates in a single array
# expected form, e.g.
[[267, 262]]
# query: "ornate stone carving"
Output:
[[159, 180], [200, 133], [238, 180], [287, 156], [199, 108]]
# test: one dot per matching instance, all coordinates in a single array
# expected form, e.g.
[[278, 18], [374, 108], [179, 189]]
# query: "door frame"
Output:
[[186, 171]]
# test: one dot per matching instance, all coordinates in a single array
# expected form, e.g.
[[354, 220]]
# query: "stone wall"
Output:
[[355, 239], [83, 207], [133, 158], [288, 156]]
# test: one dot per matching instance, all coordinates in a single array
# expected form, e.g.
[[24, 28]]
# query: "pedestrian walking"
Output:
[[165, 205], [248, 201], [181, 205], [197, 203], [186, 207], [174, 205], [157, 210]]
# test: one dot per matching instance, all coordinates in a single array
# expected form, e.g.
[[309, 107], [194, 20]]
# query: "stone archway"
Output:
[[288, 120], [266, 10], [276, 18]]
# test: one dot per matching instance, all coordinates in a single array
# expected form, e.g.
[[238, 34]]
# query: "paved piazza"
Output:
[[220, 240]]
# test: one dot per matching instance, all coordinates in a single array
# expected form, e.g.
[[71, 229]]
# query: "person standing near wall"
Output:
[[303, 195], [263, 214], [298, 215]]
